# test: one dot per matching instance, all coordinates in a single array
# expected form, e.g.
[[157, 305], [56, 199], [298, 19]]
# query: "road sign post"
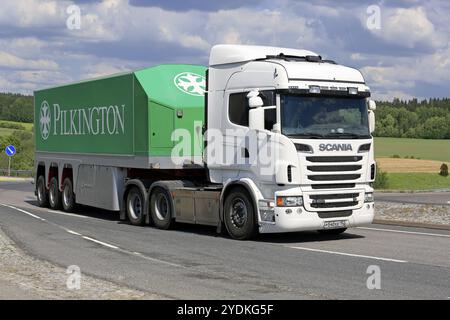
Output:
[[10, 152]]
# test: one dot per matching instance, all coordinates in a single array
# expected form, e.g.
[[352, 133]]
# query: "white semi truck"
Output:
[[264, 140]]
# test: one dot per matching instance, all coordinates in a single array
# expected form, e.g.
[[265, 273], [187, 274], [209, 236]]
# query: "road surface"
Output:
[[191, 262]]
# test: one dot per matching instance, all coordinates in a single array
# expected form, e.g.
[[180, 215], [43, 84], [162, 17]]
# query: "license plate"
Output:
[[334, 224]]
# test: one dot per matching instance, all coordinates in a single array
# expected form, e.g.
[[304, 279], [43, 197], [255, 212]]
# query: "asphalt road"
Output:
[[191, 262], [435, 198]]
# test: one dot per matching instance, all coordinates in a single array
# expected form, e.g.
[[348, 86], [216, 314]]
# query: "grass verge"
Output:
[[417, 181]]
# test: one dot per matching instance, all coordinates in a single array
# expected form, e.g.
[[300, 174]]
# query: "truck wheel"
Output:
[[135, 206], [239, 215], [42, 193], [332, 231], [54, 195], [68, 197], [161, 209]]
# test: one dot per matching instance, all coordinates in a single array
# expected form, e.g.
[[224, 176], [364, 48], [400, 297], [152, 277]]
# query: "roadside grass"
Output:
[[28, 126], [417, 181], [427, 149]]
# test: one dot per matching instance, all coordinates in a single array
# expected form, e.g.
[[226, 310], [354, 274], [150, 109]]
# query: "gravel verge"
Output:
[[416, 213], [25, 277]]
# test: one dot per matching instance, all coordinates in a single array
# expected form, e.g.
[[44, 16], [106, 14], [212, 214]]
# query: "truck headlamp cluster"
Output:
[[368, 197], [290, 201], [266, 210]]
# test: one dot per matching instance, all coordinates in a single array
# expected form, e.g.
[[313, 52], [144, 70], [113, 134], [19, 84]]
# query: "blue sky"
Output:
[[407, 56]]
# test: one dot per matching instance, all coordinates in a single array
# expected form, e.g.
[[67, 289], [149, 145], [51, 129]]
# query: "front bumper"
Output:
[[307, 220]]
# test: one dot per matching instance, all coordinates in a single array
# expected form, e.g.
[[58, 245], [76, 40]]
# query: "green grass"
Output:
[[28, 126], [417, 181], [426, 149], [5, 131]]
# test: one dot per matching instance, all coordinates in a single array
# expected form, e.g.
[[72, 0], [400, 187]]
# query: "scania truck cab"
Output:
[[318, 116], [264, 139]]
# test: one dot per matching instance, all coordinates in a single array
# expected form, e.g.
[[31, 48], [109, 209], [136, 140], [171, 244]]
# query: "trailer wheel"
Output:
[[68, 197], [332, 231], [135, 206], [239, 215], [54, 195], [42, 193], [161, 209]]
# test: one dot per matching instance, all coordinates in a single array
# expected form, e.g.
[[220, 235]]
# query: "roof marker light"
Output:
[[314, 89], [352, 90]]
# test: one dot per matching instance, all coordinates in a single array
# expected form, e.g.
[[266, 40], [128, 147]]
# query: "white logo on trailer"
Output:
[[44, 120], [190, 83]]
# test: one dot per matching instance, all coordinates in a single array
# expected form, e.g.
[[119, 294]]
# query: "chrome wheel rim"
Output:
[[135, 206], [67, 196], [161, 206]]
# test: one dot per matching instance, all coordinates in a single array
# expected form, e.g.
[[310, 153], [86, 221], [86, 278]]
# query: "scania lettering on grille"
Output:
[[335, 147]]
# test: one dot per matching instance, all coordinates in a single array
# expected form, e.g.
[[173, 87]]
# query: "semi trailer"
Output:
[[263, 139]]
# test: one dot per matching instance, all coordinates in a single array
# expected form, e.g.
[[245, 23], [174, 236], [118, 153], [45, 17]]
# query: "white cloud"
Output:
[[8, 60], [409, 28]]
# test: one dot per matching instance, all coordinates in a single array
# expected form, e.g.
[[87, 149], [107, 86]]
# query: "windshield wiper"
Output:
[[306, 136], [346, 135]]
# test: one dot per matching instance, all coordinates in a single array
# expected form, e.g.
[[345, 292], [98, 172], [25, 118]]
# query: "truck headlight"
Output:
[[290, 201], [368, 197]]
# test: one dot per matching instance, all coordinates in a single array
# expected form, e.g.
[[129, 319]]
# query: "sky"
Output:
[[402, 47]]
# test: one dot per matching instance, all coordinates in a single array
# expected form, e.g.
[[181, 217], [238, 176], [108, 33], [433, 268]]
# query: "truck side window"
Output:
[[270, 118], [238, 108]]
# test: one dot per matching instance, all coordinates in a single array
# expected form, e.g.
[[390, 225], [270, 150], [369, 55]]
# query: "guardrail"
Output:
[[17, 173]]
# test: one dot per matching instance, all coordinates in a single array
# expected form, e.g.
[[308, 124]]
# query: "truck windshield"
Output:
[[324, 117]]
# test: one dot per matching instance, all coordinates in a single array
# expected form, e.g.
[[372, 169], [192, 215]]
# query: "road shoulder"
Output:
[[25, 277]]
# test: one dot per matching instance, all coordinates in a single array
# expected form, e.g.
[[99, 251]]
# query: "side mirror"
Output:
[[372, 106], [256, 119], [256, 113], [254, 100]]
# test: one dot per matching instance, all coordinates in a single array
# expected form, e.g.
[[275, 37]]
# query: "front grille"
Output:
[[334, 204], [333, 196], [334, 214], [334, 159], [334, 168], [334, 177], [333, 186], [322, 202]]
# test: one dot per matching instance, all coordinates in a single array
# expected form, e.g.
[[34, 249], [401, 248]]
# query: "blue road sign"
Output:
[[10, 150]]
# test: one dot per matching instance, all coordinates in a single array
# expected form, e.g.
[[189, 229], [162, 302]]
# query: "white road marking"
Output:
[[100, 242], [23, 211], [73, 232], [68, 214], [407, 232], [348, 254]]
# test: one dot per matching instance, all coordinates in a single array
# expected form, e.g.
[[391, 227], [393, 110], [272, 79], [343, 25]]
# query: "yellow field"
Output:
[[409, 165]]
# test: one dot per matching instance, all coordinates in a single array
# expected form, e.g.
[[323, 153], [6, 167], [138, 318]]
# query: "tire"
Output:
[[68, 197], [332, 231], [42, 192], [54, 195], [161, 209], [239, 215], [135, 206]]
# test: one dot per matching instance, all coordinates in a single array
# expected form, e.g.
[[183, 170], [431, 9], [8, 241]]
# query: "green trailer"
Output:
[[128, 116], [92, 136]]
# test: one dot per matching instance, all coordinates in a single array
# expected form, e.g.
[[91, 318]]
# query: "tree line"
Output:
[[428, 119], [16, 107]]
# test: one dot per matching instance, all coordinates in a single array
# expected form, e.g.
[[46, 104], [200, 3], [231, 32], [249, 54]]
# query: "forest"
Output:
[[428, 119]]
